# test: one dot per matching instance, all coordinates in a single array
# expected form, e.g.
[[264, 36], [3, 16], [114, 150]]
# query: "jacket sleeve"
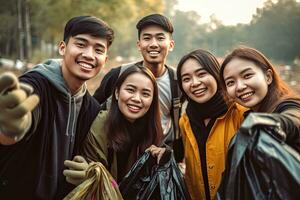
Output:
[[95, 147], [288, 120], [107, 85], [290, 123]]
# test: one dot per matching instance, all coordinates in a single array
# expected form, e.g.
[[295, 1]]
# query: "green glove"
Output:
[[76, 173], [16, 104]]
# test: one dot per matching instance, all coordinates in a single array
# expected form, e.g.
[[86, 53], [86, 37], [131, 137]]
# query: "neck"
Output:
[[73, 83], [158, 69]]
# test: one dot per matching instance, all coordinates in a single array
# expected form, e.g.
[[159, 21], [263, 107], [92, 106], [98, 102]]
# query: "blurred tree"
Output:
[[46, 20], [275, 29], [188, 33]]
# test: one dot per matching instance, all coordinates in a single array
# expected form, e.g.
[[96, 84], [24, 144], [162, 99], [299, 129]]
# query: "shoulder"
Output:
[[289, 104], [183, 120], [235, 112], [236, 108], [98, 124]]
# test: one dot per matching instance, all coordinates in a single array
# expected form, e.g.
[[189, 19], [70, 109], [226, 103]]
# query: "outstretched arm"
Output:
[[16, 104]]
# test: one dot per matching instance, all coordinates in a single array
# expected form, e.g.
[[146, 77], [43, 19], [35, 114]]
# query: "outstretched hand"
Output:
[[16, 104]]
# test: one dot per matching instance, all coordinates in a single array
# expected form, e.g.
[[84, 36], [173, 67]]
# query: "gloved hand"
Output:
[[76, 173], [16, 104]]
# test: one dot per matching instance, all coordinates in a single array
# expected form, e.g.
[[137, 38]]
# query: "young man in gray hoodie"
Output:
[[39, 131]]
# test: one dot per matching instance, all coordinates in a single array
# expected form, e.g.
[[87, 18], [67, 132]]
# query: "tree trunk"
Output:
[[28, 31], [20, 30]]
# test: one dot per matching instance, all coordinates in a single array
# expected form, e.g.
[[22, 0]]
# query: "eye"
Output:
[[100, 51], [147, 38], [161, 38], [248, 75], [130, 90], [146, 94], [201, 73], [186, 79], [80, 44], [229, 83]]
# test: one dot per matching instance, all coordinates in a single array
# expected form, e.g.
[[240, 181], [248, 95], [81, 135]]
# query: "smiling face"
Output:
[[83, 57], [246, 83], [135, 96], [197, 83], [154, 44]]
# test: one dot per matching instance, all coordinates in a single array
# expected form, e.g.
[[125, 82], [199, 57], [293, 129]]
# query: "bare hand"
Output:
[[157, 152]]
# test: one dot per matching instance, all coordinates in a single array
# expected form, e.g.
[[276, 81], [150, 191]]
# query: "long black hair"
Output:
[[116, 124]]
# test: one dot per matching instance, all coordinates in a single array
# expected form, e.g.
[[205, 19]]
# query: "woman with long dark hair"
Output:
[[132, 124], [251, 80]]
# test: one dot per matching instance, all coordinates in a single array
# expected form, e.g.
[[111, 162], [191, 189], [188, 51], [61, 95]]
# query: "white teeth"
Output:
[[244, 96], [196, 92], [154, 52], [134, 107], [85, 65]]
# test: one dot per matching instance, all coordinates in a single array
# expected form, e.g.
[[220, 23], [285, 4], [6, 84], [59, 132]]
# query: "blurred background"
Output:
[[30, 30]]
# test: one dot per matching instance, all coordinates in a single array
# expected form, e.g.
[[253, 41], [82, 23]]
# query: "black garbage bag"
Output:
[[148, 180], [260, 164]]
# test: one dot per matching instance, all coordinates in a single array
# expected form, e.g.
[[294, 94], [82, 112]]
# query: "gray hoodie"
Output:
[[51, 69]]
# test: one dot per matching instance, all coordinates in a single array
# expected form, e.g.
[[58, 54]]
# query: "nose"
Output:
[[136, 97], [195, 81], [241, 85], [154, 43], [88, 53]]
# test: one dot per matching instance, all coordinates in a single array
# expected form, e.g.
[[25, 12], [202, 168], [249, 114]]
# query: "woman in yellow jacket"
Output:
[[208, 124]]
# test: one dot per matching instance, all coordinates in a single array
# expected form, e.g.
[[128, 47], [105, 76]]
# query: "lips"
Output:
[[246, 96], [134, 108], [153, 53], [199, 92], [85, 65]]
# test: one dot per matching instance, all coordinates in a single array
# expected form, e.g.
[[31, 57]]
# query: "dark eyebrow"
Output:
[[80, 39], [147, 90], [197, 70], [86, 41], [242, 72], [144, 89], [158, 34]]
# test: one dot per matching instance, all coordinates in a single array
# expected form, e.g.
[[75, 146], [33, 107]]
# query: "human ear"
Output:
[[62, 48], [138, 45], [269, 76], [172, 44], [117, 94]]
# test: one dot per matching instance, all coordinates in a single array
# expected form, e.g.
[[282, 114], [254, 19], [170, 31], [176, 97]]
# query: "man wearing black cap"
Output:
[[36, 138], [154, 42]]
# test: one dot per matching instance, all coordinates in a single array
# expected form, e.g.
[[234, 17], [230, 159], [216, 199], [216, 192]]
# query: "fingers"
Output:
[[79, 159], [157, 152], [12, 98], [26, 106], [27, 88], [78, 163], [8, 81], [76, 173]]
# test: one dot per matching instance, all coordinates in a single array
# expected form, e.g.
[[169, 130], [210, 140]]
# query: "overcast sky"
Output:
[[230, 12]]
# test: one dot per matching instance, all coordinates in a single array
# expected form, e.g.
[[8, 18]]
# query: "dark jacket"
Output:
[[261, 163], [33, 167], [287, 114]]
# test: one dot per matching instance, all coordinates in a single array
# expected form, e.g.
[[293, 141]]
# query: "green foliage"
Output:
[[274, 28]]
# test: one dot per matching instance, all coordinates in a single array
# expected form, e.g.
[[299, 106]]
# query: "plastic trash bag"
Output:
[[99, 185], [260, 165], [148, 180]]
